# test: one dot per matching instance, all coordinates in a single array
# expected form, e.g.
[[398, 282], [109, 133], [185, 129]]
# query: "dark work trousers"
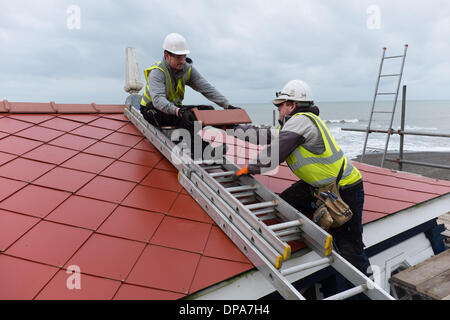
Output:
[[348, 237], [161, 119]]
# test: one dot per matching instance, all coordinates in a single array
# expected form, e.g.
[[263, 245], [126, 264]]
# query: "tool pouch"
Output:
[[322, 217], [328, 196]]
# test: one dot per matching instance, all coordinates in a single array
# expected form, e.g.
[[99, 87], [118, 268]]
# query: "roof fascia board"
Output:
[[382, 229], [252, 285]]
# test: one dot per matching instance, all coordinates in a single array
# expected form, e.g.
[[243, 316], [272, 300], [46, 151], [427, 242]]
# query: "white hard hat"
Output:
[[294, 90], [175, 43]]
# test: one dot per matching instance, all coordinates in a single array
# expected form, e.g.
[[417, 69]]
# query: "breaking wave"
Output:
[[342, 121]]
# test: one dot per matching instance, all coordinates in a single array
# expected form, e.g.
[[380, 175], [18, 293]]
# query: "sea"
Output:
[[420, 116]]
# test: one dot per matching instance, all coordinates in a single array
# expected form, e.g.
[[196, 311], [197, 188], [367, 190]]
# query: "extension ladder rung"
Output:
[[247, 200], [390, 75], [292, 233], [268, 216], [285, 225], [244, 194], [261, 205], [213, 167], [393, 57], [386, 93], [241, 188], [348, 293], [305, 266], [225, 179], [263, 211], [222, 174], [205, 162]]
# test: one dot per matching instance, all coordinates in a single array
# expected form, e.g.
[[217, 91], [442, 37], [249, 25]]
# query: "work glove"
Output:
[[186, 114], [232, 107], [240, 173]]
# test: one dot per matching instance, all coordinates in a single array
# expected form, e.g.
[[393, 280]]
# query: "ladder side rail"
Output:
[[346, 269], [373, 105], [395, 104], [256, 223], [273, 276], [311, 232], [251, 234]]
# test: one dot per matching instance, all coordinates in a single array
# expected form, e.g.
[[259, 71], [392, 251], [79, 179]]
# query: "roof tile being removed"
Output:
[[222, 117]]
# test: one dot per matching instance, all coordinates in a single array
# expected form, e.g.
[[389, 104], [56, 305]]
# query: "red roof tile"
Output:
[[91, 288], [123, 139], [211, 271], [107, 189], [5, 157], [13, 226], [16, 145], [91, 132], [107, 150], [88, 162], [149, 159], [182, 234], [220, 246], [24, 169], [126, 171], [165, 268], [33, 118], [34, 201], [82, 212], [21, 279], [133, 224], [151, 199], [106, 256], [39, 243], [64, 179], [50, 154], [9, 187], [73, 142], [61, 124], [94, 177], [186, 207], [130, 292], [221, 117], [162, 179], [39, 133]]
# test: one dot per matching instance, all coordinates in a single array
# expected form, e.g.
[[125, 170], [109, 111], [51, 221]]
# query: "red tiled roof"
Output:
[[89, 190]]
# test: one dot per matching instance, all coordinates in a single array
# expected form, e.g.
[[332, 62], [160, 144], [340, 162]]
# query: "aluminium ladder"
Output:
[[391, 112], [241, 209]]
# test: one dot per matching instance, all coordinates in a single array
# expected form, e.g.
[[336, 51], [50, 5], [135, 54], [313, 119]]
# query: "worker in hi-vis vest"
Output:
[[310, 151], [162, 101]]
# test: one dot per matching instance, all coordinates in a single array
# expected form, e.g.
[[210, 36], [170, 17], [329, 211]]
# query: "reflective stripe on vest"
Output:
[[320, 170], [175, 96]]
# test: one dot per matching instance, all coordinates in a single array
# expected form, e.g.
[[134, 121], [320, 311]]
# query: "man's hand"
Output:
[[240, 173], [186, 114]]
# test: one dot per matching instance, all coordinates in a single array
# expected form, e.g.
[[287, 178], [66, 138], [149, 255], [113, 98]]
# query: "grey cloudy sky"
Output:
[[247, 49]]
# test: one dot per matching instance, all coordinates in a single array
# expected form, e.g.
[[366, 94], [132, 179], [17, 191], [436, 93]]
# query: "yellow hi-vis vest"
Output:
[[175, 96], [319, 170]]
